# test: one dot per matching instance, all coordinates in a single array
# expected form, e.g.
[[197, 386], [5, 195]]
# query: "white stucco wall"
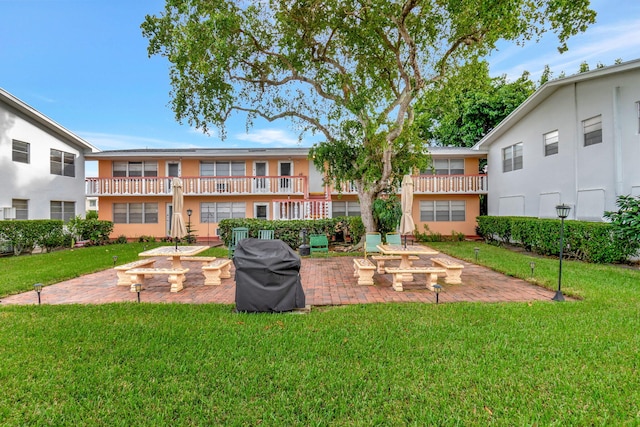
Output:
[[34, 181], [587, 178]]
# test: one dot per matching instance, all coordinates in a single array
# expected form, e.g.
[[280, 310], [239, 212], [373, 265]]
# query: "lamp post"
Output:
[[563, 212], [437, 289], [138, 288], [38, 288], [189, 212]]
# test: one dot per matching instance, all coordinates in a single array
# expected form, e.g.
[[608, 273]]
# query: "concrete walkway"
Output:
[[326, 281]]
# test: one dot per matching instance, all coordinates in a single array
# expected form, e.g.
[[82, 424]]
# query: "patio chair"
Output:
[[237, 234], [318, 243], [393, 239], [371, 241], [265, 234]]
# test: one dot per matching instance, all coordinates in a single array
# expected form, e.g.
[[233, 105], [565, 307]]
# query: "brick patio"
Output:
[[326, 281]]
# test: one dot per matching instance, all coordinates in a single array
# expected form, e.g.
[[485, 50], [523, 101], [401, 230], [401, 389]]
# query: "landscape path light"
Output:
[[533, 267], [563, 212], [476, 250], [38, 288], [437, 289], [138, 288], [115, 258]]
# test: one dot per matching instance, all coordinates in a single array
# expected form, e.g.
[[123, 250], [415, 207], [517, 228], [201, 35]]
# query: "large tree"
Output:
[[347, 69], [462, 108]]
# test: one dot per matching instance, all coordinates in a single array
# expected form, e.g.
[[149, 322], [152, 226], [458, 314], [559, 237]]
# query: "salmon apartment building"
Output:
[[133, 188]]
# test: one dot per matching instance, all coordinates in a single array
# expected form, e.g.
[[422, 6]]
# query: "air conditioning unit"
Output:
[[8, 213]]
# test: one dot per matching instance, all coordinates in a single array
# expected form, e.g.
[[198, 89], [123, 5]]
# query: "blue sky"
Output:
[[84, 64]]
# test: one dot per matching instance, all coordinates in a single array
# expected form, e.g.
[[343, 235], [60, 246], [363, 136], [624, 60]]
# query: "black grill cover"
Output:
[[267, 276]]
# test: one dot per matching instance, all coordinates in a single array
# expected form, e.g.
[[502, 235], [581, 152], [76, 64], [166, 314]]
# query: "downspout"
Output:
[[617, 143], [578, 139]]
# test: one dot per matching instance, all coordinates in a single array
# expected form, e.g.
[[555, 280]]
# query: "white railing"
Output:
[[301, 209], [439, 184], [207, 185], [448, 184]]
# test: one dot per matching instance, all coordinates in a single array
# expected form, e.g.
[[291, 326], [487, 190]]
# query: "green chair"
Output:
[[393, 239], [265, 234], [237, 234], [371, 242], [318, 243]]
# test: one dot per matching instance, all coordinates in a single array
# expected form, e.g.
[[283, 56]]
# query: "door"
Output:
[[260, 184], [286, 169]]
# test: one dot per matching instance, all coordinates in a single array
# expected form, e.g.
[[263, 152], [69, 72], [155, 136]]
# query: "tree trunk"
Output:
[[366, 209]]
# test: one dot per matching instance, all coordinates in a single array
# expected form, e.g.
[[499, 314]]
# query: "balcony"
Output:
[[197, 186], [301, 209], [439, 184]]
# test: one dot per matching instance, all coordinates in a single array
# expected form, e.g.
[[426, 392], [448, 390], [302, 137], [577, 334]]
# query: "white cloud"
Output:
[[271, 137], [600, 43], [109, 141]]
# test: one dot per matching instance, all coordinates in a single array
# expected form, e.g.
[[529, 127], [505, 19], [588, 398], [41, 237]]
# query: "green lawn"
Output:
[[539, 363]]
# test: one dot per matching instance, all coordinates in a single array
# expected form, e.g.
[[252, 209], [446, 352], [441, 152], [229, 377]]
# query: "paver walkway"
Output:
[[326, 281]]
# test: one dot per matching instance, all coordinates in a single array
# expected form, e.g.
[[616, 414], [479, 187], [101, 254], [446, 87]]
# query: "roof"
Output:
[[545, 91], [159, 153], [45, 122]]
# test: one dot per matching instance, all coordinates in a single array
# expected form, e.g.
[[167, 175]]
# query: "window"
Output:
[[62, 163], [512, 157], [261, 210], [551, 143], [131, 169], [62, 210], [448, 167], [21, 207], [20, 151], [214, 212], [222, 169], [442, 210], [135, 213], [345, 209], [592, 129]]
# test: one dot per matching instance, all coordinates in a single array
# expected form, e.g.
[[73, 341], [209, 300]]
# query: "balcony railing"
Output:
[[439, 184], [301, 209], [192, 186]]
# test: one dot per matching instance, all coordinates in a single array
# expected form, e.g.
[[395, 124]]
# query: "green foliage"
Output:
[[24, 235], [387, 213], [290, 231], [94, 230], [91, 215], [626, 220], [463, 108], [430, 236], [587, 241], [146, 239], [122, 239]]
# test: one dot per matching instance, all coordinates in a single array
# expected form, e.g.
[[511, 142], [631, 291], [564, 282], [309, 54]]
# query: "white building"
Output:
[[42, 165], [576, 140]]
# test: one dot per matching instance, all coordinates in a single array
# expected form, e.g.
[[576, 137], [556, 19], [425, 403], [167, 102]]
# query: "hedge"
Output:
[[588, 241], [289, 231], [25, 235]]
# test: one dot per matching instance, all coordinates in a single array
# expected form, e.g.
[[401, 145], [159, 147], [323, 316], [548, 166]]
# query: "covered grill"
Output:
[[267, 276]]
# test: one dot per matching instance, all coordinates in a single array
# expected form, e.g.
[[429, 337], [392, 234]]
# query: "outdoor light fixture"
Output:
[[138, 288], [563, 212], [476, 250], [533, 267], [38, 288], [189, 212], [115, 258], [437, 288]]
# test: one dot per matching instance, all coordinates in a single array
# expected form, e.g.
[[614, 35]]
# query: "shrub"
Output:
[[95, 231], [626, 221], [122, 239], [587, 241], [23, 235]]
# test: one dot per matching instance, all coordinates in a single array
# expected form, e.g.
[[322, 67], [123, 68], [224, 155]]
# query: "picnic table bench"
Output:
[[123, 278], [380, 260], [453, 270], [399, 273], [176, 276], [218, 269], [363, 269]]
